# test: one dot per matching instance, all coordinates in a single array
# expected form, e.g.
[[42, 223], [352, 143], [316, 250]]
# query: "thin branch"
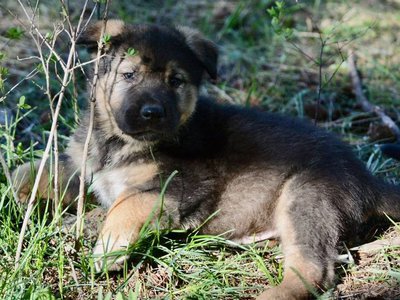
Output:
[[75, 277], [309, 57], [343, 59], [32, 57], [29, 76], [80, 65], [46, 70], [376, 246], [92, 101], [320, 84], [363, 101]]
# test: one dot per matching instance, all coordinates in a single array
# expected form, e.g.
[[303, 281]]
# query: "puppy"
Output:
[[262, 175]]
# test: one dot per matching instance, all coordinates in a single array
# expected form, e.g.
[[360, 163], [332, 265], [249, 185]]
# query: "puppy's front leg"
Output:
[[122, 226], [23, 178]]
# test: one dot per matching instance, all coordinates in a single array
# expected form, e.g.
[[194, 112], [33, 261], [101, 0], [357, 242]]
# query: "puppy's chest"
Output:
[[117, 174]]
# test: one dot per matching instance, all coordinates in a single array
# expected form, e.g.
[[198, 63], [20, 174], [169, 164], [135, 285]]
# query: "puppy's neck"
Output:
[[114, 150]]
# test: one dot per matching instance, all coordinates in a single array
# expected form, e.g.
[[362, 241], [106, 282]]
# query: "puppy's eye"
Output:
[[129, 75], [176, 81]]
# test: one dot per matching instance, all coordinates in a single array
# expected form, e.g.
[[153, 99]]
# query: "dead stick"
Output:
[[363, 101], [92, 101], [376, 246]]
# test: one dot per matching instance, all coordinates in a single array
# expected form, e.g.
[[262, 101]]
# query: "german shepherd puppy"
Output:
[[263, 175]]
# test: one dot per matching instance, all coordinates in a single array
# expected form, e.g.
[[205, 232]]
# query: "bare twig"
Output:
[[320, 84], [363, 101], [342, 60], [92, 102], [26, 77], [376, 246], [80, 65], [46, 69], [309, 57], [75, 277], [55, 143]]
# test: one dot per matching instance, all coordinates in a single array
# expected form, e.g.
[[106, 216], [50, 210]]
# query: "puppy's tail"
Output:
[[390, 201]]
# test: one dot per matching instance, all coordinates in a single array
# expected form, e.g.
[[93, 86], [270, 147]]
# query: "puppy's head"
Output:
[[149, 76]]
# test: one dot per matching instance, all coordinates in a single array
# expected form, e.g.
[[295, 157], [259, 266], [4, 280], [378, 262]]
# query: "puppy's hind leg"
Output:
[[307, 226]]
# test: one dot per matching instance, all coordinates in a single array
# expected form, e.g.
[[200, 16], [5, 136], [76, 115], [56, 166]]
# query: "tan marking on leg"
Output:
[[123, 223], [23, 179], [300, 277]]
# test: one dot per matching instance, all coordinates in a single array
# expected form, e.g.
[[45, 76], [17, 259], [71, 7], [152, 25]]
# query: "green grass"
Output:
[[259, 65]]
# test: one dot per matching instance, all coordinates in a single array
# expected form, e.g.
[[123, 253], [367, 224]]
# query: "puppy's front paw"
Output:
[[21, 178], [122, 227], [110, 253]]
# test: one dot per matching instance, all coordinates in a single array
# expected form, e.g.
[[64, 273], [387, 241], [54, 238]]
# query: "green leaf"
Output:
[[3, 72], [119, 296], [275, 22], [272, 12], [22, 100], [14, 33], [288, 33], [135, 295], [280, 4], [106, 38], [49, 36], [108, 296], [100, 293], [19, 149], [131, 52], [40, 68], [3, 75], [22, 104], [131, 295]]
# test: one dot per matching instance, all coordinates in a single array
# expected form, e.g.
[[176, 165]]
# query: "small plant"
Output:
[[277, 14], [14, 33], [106, 39], [131, 52]]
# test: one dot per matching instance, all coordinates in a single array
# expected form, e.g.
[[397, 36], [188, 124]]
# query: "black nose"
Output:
[[152, 112]]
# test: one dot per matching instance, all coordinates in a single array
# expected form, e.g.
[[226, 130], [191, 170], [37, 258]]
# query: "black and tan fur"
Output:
[[266, 175]]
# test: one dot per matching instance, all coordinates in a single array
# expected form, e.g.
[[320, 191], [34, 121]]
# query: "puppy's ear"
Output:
[[94, 32], [205, 50]]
